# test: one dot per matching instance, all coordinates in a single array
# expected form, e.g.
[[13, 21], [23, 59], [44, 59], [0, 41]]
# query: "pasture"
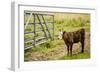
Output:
[[56, 49]]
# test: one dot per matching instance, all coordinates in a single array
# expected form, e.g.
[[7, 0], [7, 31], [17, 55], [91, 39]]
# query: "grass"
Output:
[[78, 56], [46, 47]]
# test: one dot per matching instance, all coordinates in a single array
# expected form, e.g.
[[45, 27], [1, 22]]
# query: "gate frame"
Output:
[[42, 24]]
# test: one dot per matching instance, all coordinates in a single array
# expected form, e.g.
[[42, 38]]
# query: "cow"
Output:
[[73, 37]]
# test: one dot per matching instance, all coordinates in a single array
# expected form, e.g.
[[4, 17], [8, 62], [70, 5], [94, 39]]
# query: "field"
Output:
[[56, 49]]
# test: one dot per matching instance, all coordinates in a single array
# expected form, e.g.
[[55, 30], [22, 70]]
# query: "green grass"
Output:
[[78, 56], [46, 47]]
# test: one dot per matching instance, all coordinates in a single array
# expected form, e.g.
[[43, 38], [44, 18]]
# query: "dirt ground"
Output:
[[58, 53]]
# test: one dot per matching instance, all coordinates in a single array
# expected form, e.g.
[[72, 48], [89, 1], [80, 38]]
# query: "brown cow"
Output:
[[74, 37]]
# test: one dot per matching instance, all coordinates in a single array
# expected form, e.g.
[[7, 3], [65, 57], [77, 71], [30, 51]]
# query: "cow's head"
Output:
[[60, 34]]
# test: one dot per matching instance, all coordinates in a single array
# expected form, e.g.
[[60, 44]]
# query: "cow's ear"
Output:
[[64, 32]]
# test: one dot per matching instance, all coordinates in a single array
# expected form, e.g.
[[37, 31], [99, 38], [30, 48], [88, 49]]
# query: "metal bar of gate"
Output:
[[42, 26], [28, 20], [46, 26], [34, 30]]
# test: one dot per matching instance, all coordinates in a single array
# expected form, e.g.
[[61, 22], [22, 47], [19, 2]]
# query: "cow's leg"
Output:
[[67, 50], [82, 42], [71, 50]]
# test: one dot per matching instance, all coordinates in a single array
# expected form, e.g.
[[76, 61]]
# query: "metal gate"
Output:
[[40, 23]]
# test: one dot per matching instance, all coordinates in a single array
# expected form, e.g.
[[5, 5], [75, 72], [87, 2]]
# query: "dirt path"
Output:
[[58, 53]]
